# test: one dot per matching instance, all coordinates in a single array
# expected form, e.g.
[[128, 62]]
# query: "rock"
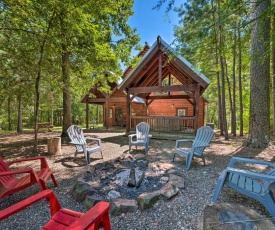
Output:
[[90, 201], [81, 189], [139, 177], [215, 216], [177, 180], [169, 190], [127, 156], [147, 200], [164, 180], [91, 169], [164, 166], [132, 178], [113, 194], [153, 167], [140, 156], [121, 205]]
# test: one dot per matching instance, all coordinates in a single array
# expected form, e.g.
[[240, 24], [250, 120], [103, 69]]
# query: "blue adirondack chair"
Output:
[[202, 140], [80, 142], [142, 136], [252, 184]]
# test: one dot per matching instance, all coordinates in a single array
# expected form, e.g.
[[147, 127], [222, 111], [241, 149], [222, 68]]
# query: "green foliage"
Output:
[[198, 41], [95, 33]]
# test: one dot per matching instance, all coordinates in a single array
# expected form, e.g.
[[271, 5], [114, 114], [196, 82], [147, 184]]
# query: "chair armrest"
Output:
[[94, 139], [93, 216], [178, 142], [43, 161], [131, 136], [255, 175], [54, 204], [250, 161], [20, 171]]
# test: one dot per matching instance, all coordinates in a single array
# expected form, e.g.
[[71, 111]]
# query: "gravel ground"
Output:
[[184, 211]]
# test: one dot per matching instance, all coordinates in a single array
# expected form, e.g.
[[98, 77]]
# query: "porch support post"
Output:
[[197, 101], [107, 113], [127, 132], [87, 112]]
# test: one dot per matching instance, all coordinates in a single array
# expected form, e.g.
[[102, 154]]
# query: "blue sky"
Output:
[[151, 23]]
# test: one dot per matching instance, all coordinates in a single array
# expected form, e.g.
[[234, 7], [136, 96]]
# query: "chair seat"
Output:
[[202, 140], [256, 185], [243, 183], [80, 142], [62, 219]]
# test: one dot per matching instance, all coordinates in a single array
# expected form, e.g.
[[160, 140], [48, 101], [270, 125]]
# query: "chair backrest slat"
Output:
[[203, 137], [76, 135], [4, 168], [142, 131]]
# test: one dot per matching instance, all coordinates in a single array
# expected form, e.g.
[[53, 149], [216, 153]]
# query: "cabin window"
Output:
[[110, 113], [182, 112]]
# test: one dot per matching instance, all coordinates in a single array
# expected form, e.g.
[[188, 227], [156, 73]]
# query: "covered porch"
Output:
[[163, 89]]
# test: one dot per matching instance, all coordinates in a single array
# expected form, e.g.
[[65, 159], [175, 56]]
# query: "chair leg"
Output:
[[174, 157], [219, 186], [101, 155], [202, 157], [268, 202], [54, 181], [189, 158], [87, 156]]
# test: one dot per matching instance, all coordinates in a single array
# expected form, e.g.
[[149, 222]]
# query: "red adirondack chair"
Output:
[[10, 184], [61, 218]]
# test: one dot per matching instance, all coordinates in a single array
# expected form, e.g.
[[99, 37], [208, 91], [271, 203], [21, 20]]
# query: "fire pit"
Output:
[[127, 181]]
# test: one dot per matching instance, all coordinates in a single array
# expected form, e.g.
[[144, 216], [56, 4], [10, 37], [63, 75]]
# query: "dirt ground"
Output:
[[21, 145], [67, 169]]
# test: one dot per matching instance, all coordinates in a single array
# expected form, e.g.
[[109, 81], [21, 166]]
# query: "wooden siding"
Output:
[[169, 108]]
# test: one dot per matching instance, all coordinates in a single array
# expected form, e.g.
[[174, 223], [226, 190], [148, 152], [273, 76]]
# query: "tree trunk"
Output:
[[220, 125], [67, 115], [259, 134], [221, 46], [19, 116], [9, 113], [233, 112], [229, 92], [226, 137], [273, 68], [240, 80]]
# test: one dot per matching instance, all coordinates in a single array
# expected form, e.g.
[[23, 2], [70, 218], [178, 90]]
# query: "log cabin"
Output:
[[163, 89]]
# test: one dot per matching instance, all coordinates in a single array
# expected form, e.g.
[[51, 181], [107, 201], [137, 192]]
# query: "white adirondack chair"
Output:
[[202, 140], [80, 142], [142, 136]]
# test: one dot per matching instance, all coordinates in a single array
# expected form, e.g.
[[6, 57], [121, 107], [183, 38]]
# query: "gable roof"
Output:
[[173, 63]]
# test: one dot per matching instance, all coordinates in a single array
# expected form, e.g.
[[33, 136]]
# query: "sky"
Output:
[[151, 22]]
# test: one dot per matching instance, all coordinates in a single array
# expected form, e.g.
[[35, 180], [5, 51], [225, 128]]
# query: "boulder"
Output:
[[177, 180], [113, 194], [92, 200], [147, 200], [120, 205], [81, 189], [169, 190]]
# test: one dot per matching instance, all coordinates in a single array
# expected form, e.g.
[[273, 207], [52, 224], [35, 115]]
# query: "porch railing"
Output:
[[165, 123]]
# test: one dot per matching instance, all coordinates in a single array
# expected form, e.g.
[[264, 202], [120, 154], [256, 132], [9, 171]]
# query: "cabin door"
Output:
[[118, 113], [110, 117]]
